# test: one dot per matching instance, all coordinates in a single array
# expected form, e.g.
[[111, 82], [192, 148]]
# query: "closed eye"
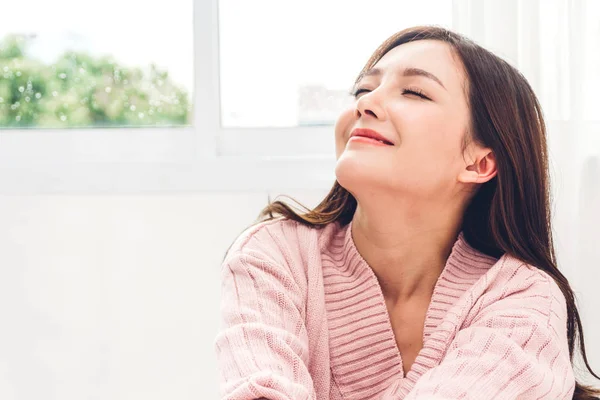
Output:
[[358, 91], [416, 92]]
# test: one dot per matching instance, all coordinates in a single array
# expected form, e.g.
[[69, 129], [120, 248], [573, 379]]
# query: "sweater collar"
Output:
[[365, 359], [463, 267]]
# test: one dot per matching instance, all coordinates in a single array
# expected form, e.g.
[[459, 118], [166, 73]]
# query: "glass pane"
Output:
[[289, 63], [114, 63]]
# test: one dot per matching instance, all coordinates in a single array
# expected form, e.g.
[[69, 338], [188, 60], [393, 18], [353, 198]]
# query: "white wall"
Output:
[[116, 297]]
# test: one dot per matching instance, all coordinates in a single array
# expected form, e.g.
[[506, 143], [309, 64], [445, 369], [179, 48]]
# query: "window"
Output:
[[115, 63], [292, 63]]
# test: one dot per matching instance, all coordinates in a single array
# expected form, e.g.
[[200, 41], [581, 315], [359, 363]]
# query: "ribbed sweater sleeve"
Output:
[[513, 346], [262, 347]]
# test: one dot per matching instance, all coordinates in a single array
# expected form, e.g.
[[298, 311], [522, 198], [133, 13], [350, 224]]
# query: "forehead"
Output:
[[433, 56]]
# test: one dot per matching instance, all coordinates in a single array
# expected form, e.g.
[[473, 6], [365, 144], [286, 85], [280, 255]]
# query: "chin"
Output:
[[352, 173]]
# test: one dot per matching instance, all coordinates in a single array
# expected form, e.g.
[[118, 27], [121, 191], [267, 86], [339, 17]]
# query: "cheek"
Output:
[[431, 140], [431, 129], [342, 129], [411, 116], [447, 135]]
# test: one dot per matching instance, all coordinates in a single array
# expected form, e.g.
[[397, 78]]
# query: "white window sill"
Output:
[[133, 160], [218, 175]]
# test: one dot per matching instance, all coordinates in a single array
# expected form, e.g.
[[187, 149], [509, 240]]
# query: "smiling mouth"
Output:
[[369, 135], [370, 140]]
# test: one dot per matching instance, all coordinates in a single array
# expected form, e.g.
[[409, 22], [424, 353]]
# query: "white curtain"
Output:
[[556, 44]]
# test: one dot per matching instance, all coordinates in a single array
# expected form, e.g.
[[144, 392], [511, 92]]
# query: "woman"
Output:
[[428, 271]]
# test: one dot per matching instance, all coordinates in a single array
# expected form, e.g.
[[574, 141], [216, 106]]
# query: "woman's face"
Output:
[[415, 98]]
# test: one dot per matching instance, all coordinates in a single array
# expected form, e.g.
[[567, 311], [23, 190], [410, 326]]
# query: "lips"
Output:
[[369, 133]]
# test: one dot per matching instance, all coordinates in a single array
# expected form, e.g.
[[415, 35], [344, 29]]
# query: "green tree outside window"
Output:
[[80, 90]]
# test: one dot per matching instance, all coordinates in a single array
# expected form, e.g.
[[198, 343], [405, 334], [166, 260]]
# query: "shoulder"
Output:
[[284, 243], [274, 238], [522, 286], [516, 275]]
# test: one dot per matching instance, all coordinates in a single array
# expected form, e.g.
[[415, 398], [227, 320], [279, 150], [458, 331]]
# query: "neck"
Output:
[[407, 249]]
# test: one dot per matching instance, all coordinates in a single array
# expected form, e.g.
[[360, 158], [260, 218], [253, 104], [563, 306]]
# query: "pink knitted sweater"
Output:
[[304, 317]]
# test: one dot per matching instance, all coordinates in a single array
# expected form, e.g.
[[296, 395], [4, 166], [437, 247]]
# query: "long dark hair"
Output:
[[511, 212]]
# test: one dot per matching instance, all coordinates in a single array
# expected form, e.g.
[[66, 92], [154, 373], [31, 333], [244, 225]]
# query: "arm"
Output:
[[515, 348], [262, 348]]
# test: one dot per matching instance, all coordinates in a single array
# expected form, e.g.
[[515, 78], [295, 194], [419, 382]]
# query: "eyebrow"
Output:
[[410, 71]]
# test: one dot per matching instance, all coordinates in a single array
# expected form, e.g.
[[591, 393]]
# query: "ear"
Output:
[[480, 168]]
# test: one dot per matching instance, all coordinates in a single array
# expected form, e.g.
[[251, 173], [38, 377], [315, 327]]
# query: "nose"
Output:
[[369, 105]]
